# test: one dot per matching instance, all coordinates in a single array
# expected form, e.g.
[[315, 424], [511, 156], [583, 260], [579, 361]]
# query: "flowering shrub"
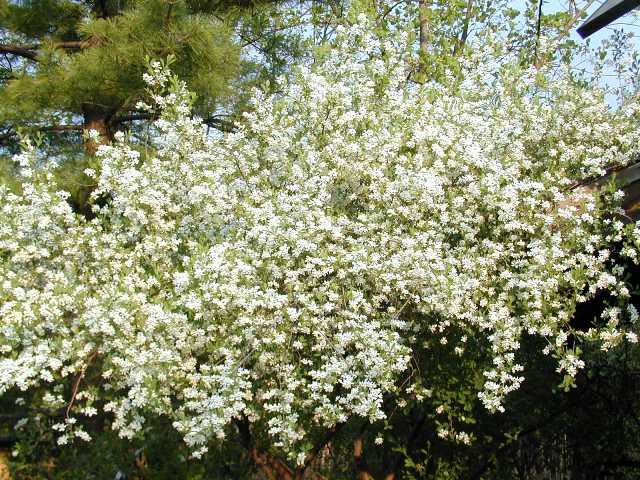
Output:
[[284, 273]]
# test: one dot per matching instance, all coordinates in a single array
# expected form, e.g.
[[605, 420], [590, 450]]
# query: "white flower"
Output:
[[93, 134], [286, 272], [180, 280]]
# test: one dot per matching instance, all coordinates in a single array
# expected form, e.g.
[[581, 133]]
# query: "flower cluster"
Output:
[[285, 273]]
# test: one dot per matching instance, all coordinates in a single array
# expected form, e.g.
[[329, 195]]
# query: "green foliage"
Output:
[[106, 73], [158, 456], [44, 18]]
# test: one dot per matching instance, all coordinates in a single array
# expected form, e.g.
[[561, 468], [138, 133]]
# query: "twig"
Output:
[[77, 381], [538, 28]]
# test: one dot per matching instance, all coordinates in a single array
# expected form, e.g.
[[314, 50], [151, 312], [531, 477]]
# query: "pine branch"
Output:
[[12, 134], [132, 117], [31, 51], [20, 51], [73, 44], [61, 128]]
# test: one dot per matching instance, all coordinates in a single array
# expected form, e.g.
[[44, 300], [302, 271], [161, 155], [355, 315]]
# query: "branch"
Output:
[[132, 117], [569, 25], [465, 28], [7, 77], [61, 128], [73, 45], [538, 28], [317, 448], [390, 9], [19, 50], [223, 125], [423, 16], [272, 467], [213, 121], [48, 128], [77, 381], [361, 466], [30, 51]]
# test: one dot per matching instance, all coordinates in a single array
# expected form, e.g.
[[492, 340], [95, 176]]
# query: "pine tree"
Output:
[[68, 66]]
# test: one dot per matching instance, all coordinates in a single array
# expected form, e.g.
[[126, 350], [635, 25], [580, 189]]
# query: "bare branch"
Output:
[[391, 9], [20, 51], [77, 381], [465, 28], [220, 124], [538, 29], [31, 51]]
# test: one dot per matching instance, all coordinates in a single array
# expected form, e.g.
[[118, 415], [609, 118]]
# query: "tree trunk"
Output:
[[361, 465], [272, 468], [96, 118], [423, 15]]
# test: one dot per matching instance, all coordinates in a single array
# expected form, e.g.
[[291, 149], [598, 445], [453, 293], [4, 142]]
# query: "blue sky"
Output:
[[629, 23]]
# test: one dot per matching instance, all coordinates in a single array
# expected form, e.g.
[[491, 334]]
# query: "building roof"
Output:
[[607, 13], [626, 179]]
